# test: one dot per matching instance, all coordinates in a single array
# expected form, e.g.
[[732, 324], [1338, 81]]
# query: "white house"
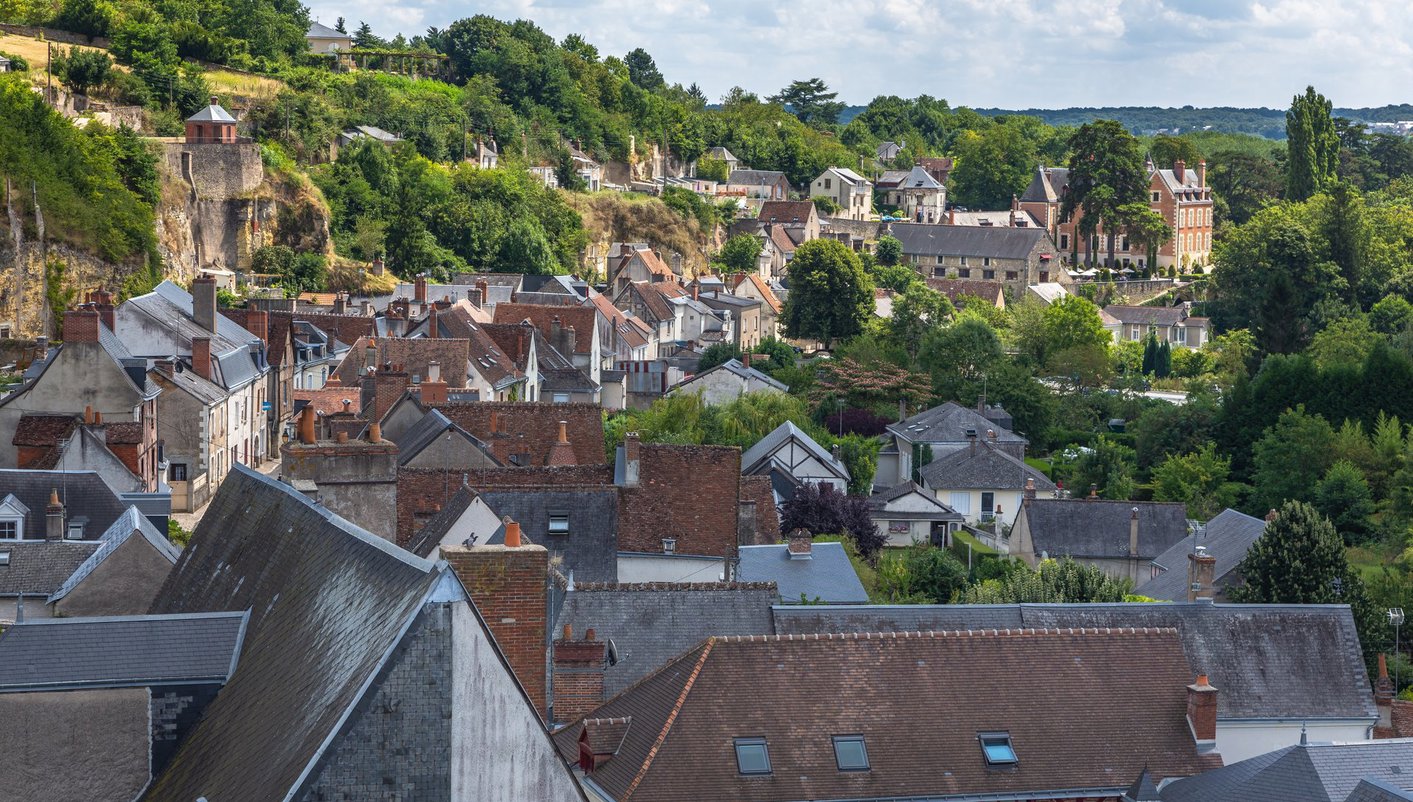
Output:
[[323, 39], [791, 459], [910, 513], [983, 483], [851, 191], [1171, 324], [729, 381], [916, 194]]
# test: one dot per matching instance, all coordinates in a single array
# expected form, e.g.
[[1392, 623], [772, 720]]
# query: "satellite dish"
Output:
[[612, 652]]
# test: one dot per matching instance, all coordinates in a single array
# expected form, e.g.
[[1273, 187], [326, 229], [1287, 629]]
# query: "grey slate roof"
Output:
[[37, 568], [778, 437], [827, 575], [735, 367], [1047, 185], [652, 624], [428, 428], [1370, 790], [319, 31], [120, 651], [328, 603], [1307, 773], [1266, 660], [982, 467], [160, 324], [997, 242], [948, 423], [1097, 528], [590, 550], [83, 493], [1228, 537], [878, 505], [131, 524], [211, 114], [755, 178]]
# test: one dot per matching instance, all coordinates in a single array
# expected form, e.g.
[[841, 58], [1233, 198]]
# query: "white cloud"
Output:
[[1006, 53]]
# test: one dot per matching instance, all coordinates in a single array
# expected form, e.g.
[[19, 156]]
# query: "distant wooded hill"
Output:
[[1269, 123]]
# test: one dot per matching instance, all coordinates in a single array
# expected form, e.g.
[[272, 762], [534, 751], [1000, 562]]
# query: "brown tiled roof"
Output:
[[512, 338], [655, 302], [330, 399], [764, 290], [655, 265], [786, 212], [43, 430], [1084, 709], [758, 489], [782, 240], [414, 355], [345, 328], [460, 319], [530, 429], [955, 288], [690, 493], [128, 433], [582, 318]]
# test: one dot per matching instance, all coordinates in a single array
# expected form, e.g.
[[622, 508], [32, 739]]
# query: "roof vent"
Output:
[[669, 545]]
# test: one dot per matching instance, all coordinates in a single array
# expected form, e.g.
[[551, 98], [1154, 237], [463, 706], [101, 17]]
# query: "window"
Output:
[[985, 261], [561, 398], [1157, 196], [10, 529], [176, 472], [1012, 275], [963, 273], [997, 748], [4, 558], [988, 505], [752, 757], [75, 532], [939, 272], [1044, 276], [827, 183], [559, 523], [961, 502], [1180, 334], [850, 753], [963, 260], [1064, 242], [988, 274]]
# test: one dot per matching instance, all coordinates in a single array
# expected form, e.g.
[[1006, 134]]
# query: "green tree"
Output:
[[1344, 497], [1290, 458], [1108, 466], [966, 350], [717, 353], [992, 166], [889, 250], [1243, 183], [1312, 145], [1347, 341], [916, 313], [1052, 582], [740, 253], [920, 574], [643, 71], [1167, 149], [1145, 228], [1106, 173], [84, 69], [713, 169], [810, 101], [1198, 480], [1391, 315], [831, 297]]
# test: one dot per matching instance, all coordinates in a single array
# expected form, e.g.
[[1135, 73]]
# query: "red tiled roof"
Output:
[[330, 400], [512, 338], [920, 726], [690, 493], [530, 429], [36, 431], [782, 240], [654, 301], [582, 318], [127, 433]]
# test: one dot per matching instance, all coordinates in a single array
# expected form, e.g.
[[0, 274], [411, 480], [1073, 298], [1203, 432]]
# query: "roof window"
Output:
[[559, 523], [752, 756], [997, 748], [850, 753]]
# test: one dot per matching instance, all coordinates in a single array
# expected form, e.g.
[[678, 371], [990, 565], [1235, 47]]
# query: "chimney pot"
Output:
[[568, 632], [512, 534], [88, 415], [589, 633], [1094, 491], [54, 517], [97, 418], [342, 437], [375, 432], [306, 425], [564, 432]]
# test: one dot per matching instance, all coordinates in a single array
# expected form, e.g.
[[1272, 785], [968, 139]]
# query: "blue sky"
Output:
[[1004, 53]]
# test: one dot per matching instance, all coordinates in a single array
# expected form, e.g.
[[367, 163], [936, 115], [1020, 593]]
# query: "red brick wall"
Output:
[[690, 493], [421, 492], [28, 455], [531, 428], [757, 489], [81, 326], [578, 678], [508, 587]]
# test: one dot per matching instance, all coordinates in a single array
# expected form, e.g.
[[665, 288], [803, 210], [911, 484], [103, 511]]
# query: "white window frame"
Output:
[[961, 502], [19, 524]]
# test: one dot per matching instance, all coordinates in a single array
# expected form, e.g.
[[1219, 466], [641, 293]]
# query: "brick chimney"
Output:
[[1383, 697], [485, 288], [1133, 535], [578, 674], [340, 303], [433, 390], [257, 322], [81, 325], [432, 323], [562, 453], [952, 216], [389, 383], [102, 301], [419, 288], [475, 297], [1202, 713], [508, 583], [632, 460], [201, 357], [1202, 173], [203, 302], [54, 517], [1179, 170], [799, 544], [1029, 492], [1201, 575]]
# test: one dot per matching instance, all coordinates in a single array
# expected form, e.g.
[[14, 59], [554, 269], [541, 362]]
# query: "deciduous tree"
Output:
[[1312, 145], [830, 294]]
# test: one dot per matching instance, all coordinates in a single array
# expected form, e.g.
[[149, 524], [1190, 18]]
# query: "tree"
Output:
[[921, 574], [1052, 582], [1347, 341], [1312, 145], [364, 37], [831, 297], [916, 313], [992, 167], [1290, 458], [965, 350], [740, 253], [339, 26], [83, 69], [1198, 480], [643, 71], [1145, 228], [1167, 149], [810, 101], [889, 250], [1108, 467], [1244, 182], [716, 354], [1343, 496], [713, 169], [823, 510], [1391, 315], [1075, 342], [1106, 173]]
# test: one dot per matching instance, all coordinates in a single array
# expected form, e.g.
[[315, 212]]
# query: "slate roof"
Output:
[[428, 428], [160, 323], [328, 602], [778, 437], [590, 550], [1099, 529], [1370, 790], [652, 624], [83, 493], [429, 537], [185, 379], [1154, 316], [1228, 537], [582, 318], [37, 568], [1047, 185], [826, 576], [996, 242], [1244, 648], [131, 524], [983, 467], [318, 31], [213, 113], [948, 423], [795, 692], [735, 367], [120, 651], [916, 178], [878, 505], [1309, 773]]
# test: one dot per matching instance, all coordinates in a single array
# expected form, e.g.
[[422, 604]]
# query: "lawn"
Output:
[[240, 85], [35, 51]]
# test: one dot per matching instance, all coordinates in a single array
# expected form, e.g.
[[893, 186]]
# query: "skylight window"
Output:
[[559, 523], [752, 756], [850, 753], [4, 558], [997, 748]]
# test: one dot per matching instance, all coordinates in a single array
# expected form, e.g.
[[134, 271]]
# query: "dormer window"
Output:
[[997, 748], [11, 529], [559, 523], [752, 756], [850, 753]]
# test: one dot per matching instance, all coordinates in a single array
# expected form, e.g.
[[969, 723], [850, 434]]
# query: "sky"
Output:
[[981, 53]]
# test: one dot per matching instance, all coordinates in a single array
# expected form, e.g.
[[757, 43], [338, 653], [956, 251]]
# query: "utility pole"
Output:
[[49, 72]]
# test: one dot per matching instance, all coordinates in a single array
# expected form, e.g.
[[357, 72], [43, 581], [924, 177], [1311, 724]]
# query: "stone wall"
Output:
[[357, 480], [216, 171]]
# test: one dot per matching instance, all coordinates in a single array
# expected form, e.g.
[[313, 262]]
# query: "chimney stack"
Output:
[[1093, 492], [746, 359], [632, 463], [419, 288], [54, 517], [1202, 173], [561, 453], [432, 323], [1383, 696], [257, 322], [485, 288], [1179, 170], [103, 303], [570, 338], [340, 303], [1202, 713], [201, 357], [1029, 493], [81, 325], [1133, 535], [1201, 575], [203, 302], [799, 544], [578, 675], [1271, 516], [433, 390]]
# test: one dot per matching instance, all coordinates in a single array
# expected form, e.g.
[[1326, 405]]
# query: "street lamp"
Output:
[[1395, 617]]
